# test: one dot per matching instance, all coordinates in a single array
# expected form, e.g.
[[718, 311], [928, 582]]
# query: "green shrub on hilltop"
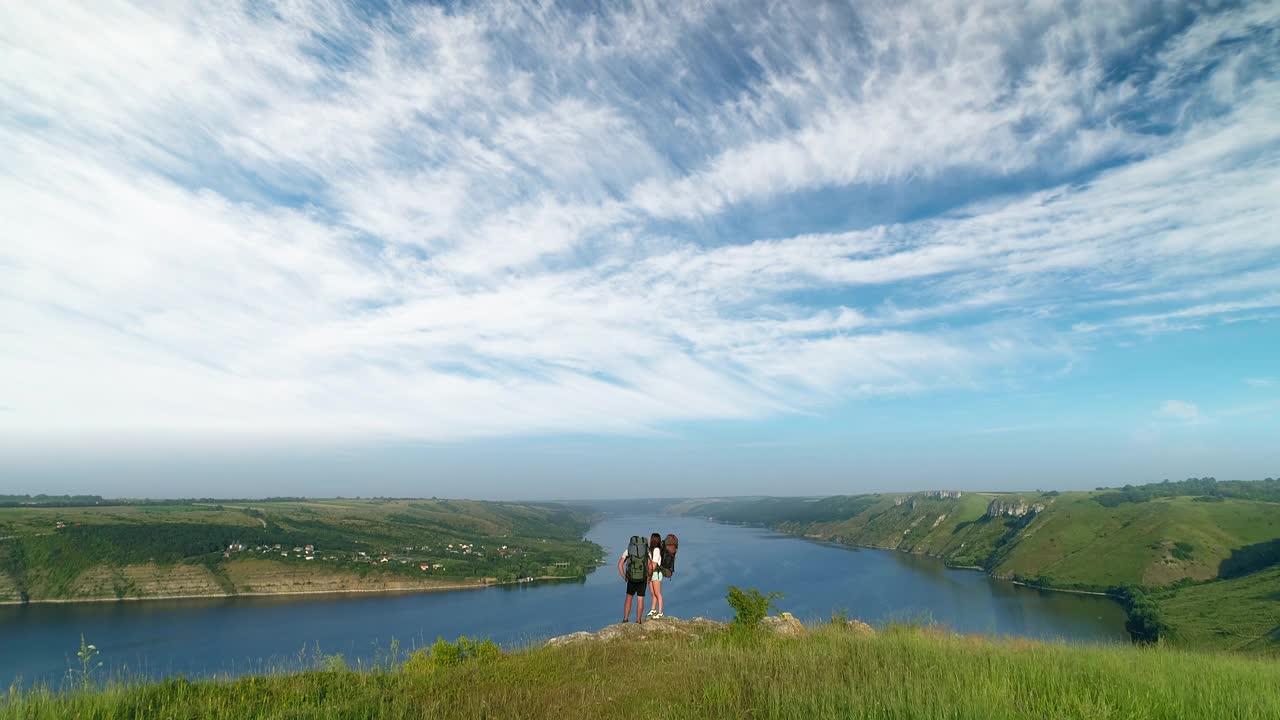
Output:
[[445, 654], [750, 606]]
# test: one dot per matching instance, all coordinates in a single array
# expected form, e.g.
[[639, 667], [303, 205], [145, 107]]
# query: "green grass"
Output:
[[1078, 542], [1238, 614], [832, 673]]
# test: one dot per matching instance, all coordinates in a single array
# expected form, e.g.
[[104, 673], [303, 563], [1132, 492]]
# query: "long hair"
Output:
[[655, 541]]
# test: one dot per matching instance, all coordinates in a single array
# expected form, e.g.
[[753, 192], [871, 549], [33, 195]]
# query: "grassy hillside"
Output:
[[829, 673], [1149, 537], [186, 547], [1235, 614]]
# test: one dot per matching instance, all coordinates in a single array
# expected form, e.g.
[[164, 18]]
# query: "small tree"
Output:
[[750, 606]]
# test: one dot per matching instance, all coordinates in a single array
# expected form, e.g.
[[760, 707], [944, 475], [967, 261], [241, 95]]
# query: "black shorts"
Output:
[[636, 587]]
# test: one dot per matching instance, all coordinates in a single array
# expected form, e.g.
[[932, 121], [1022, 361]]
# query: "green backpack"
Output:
[[637, 559]]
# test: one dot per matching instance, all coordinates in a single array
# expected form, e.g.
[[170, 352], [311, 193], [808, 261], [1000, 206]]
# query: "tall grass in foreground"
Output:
[[831, 673]]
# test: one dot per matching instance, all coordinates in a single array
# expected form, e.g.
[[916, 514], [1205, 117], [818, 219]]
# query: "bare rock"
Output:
[[652, 629], [785, 624], [569, 639], [859, 627]]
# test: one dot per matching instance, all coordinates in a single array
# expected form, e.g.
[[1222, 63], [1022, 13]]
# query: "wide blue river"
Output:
[[243, 635]]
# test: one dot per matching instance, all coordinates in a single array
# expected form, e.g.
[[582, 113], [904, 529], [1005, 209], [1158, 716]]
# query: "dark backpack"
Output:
[[669, 548], [637, 559]]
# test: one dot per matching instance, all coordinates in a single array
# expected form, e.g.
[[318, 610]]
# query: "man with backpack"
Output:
[[635, 567]]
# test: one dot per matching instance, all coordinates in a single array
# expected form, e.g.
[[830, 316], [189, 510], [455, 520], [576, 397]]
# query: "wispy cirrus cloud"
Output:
[[321, 220]]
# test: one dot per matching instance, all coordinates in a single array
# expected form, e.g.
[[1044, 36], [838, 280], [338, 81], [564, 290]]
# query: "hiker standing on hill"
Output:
[[655, 574], [666, 568], [635, 567]]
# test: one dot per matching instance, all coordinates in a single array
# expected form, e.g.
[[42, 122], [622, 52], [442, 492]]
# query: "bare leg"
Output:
[[626, 608], [657, 596]]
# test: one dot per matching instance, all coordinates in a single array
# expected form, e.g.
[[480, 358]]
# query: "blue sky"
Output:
[[599, 250]]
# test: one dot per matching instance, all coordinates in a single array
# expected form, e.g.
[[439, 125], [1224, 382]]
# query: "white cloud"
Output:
[[503, 220], [1262, 383], [1180, 410]]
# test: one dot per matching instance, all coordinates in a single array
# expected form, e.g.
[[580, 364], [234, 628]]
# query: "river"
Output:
[[244, 635]]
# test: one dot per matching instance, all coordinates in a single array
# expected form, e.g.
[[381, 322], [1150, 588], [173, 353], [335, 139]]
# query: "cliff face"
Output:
[[239, 577], [1013, 508]]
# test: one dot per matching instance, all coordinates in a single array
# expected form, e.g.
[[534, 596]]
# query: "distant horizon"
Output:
[[566, 500], [562, 249]]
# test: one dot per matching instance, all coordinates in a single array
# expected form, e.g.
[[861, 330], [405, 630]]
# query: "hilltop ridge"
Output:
[[1145, 545]]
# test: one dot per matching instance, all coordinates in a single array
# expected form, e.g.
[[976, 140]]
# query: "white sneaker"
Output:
[[651, 613], [655, 617]]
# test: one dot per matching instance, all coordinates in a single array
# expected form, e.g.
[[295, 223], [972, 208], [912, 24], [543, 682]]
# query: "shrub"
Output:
[[444, 654], [1183, 550], [750, 606], [332, 663], [1145, 623]]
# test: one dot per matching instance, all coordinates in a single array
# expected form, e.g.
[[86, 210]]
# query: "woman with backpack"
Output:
[[655, 575], [667, 564]]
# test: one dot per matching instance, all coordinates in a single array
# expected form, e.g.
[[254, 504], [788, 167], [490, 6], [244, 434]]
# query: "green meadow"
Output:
[[901, 672]]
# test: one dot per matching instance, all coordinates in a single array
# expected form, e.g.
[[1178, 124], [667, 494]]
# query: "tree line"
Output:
[[1207, 488]]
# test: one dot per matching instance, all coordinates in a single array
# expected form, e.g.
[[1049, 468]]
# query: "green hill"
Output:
[[1165, 538], [830, 672], [140, 549]]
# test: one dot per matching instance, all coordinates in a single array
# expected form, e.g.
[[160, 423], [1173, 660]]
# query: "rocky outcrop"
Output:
[[859, 627], [653, 629], [1013, 508], [785, 625], [930, 495]]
